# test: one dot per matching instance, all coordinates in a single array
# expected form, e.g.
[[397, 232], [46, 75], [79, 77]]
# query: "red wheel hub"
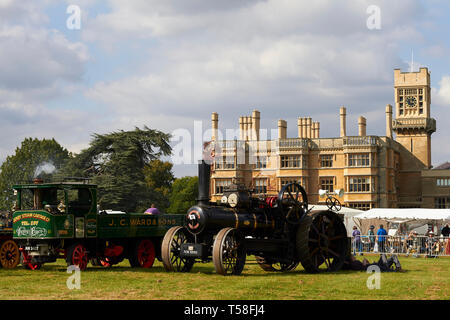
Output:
[[79, 257], [146, 254]]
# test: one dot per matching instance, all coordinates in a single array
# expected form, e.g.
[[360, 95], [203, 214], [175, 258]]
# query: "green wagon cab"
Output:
[[62, 220]]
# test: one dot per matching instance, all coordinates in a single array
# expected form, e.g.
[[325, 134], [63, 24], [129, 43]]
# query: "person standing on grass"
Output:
[[381, 238], [371, 236], [445, 232], [430, 244], [356, 234]]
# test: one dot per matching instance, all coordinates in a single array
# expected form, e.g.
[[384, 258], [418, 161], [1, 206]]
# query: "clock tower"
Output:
[[413, 124]]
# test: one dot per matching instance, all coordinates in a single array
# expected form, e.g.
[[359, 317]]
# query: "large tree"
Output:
[[184, 194], [159, 178], [116, 162], [34, 158]]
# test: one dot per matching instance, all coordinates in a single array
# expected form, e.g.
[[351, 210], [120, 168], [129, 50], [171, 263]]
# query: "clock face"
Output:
[[411, 101]]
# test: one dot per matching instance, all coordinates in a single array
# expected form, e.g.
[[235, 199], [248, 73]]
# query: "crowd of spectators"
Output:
[[430, 244]]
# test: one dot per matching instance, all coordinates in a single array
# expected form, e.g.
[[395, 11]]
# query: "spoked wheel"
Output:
[[322, 241], [276, 266], [143, 255], [293, 202], [333, 204], [171, 250], [229, 252], [9, 254], [111, 255], [26, 261], [77, 256]]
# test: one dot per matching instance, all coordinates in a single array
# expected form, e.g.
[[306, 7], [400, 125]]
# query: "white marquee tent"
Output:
[[413, 217], [406, 214]]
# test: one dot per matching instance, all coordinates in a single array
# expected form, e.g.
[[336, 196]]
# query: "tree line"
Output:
[[126, 166]]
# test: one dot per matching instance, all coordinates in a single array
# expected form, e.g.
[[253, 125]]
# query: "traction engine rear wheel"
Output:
[[77, 256], [143, 255], [229, 252], [171, 250], [321, 239], [9, 254]]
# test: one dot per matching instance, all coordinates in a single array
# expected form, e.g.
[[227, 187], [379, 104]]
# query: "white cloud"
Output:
[[286, 58], [442, 95], [38, 66], [207, 55], [38, 58]]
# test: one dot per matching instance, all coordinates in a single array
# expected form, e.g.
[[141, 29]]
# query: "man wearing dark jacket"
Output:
[[381, 237]]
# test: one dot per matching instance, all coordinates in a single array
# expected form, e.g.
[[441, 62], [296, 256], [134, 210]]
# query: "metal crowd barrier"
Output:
[[402, 245]]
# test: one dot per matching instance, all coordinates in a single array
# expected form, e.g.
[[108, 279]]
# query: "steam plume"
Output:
[[44, 167]]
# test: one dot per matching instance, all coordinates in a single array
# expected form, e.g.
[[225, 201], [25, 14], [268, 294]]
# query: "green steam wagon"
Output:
[[62, 220]]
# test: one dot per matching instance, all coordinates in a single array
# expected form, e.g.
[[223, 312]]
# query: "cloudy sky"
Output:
[[166, 64]]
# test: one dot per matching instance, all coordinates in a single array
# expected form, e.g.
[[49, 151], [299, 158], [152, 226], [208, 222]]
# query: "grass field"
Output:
[[421, 279]]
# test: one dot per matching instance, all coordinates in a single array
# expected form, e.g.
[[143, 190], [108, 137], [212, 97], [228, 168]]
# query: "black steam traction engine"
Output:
[[280, 231]]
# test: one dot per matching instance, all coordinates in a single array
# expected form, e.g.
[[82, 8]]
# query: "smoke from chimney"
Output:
[[44, 167]]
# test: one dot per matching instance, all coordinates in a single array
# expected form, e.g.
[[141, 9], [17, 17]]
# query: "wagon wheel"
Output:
[[25, 260], [229, 252], [77, 256], [333, 204], [322, 240], [143, 255], [171, 250], [9, 254], [294, 203], [276, 266]]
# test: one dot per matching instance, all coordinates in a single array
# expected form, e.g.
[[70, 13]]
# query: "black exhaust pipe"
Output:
[[204, 175]]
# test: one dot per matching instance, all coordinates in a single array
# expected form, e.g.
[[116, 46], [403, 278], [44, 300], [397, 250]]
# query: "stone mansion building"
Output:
[[374, 171]]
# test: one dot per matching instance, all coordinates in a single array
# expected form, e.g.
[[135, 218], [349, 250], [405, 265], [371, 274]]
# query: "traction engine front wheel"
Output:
[[171, 250]]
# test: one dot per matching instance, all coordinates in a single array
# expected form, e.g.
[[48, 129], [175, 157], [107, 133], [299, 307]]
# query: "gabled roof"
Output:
[[406, 214], [443, 166]]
